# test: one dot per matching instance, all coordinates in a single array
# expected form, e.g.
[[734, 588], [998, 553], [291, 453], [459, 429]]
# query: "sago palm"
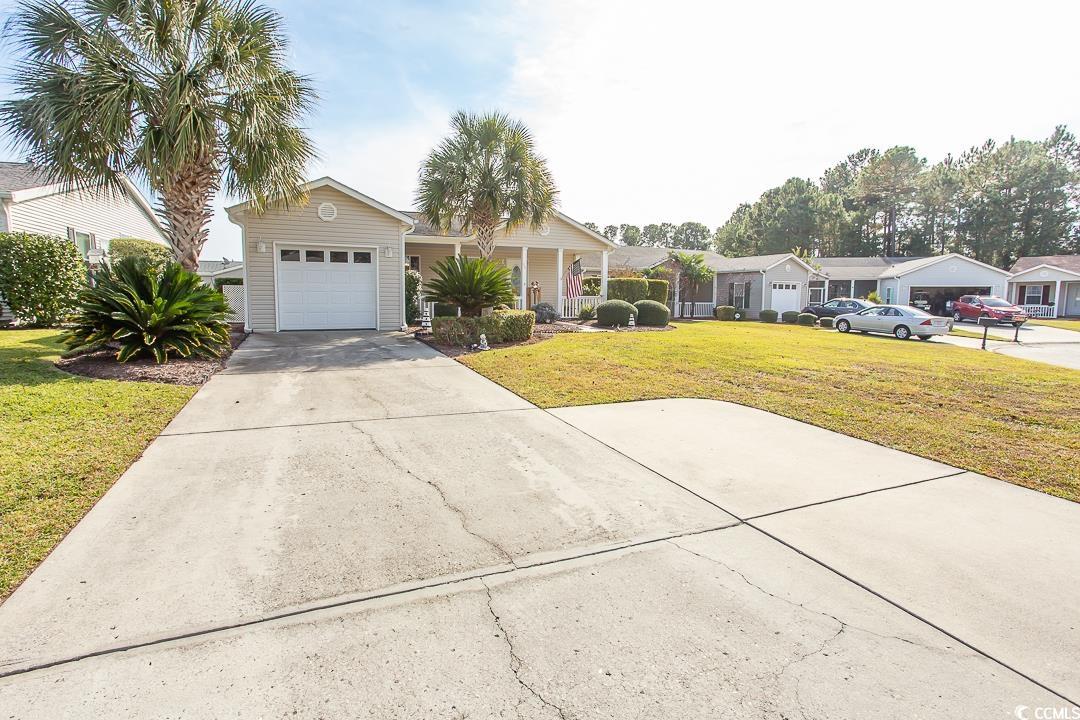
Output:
[[191, 96], [487, 173], [470, 283]]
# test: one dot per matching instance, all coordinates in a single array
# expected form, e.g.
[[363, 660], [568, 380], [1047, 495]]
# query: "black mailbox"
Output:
[[987, 321]]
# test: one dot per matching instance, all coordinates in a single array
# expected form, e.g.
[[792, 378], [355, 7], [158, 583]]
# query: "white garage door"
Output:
[[786, 296], [326, 287]]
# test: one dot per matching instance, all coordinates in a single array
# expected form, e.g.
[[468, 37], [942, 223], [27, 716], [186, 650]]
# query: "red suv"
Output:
[[973, 307]]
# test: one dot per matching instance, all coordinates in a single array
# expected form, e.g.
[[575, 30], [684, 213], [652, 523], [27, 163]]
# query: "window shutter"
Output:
[[746, 295], [731, 293], [71, 234], [1046, 295]]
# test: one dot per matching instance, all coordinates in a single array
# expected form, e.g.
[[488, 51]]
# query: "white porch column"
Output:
[[524, 278], [457, 249], [1057, 299], [678, 306], [852, 293], [603, 275], [714, 291], [559, 270], [825, 294]]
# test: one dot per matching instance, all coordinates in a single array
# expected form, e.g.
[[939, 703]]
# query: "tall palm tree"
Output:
[[486, 173], [691, 272], [191, 96]]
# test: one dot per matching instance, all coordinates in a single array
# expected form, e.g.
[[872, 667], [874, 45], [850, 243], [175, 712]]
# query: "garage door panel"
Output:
[[325, 295]]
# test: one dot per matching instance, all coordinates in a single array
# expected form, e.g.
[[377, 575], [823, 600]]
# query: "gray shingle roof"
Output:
[[639, 257], [213, 266], [1065, 262], [860, 268], [21, 176], [423, 227]]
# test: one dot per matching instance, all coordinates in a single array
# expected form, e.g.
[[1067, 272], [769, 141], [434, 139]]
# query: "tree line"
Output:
[[994, 202]]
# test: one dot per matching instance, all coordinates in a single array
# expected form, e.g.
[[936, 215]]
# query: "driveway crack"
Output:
[[462, 518], [515, 659]]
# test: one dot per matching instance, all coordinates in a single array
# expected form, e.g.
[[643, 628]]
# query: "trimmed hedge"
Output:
[[658, 291], [807, 319], [790, 317], [40, 277], [615, 312], [768, 316], [724, 312], [826, 322], [587, 312], [628, 289], [500, 326], [652, 313], [545, 313]]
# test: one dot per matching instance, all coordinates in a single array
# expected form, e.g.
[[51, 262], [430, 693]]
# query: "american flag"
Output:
[[574, 274]]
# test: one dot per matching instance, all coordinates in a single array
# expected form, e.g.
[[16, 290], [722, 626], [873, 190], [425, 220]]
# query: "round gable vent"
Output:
[[787, 268], [327, 212], [952, 268], [1043, 273], [544, 229]]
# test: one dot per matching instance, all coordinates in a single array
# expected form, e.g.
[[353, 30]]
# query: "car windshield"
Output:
[[994, 302]]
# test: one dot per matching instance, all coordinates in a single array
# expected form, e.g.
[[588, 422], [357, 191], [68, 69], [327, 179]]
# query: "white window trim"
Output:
[[1027, 294]]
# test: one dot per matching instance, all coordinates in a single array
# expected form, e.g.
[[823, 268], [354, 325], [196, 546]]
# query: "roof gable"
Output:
[[1070, 263], [242, 208], [916, 265]]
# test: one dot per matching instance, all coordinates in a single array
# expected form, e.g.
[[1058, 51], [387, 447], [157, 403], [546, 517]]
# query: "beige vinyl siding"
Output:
[[102, 214], [356, 224], [3, 215], [788, 271]]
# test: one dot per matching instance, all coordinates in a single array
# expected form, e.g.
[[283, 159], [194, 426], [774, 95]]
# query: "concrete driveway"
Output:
[[354, 525], [1041, 343]]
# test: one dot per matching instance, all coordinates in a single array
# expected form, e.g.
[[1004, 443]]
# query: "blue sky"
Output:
[[672, 111]]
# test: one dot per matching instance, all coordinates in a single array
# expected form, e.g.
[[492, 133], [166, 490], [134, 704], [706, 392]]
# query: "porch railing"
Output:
[[1040, 311], [696, 309], [572, 306]]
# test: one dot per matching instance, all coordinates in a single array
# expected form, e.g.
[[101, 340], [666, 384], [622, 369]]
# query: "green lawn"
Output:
[[975, 335], [1059, 323], [64, 441], [1011, 419]]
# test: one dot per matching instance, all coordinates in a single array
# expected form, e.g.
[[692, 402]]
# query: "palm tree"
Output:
[[691, 272], [190, 96], [486, 173]]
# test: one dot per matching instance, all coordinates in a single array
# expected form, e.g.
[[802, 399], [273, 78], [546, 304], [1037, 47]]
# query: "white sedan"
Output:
[[903, 321]]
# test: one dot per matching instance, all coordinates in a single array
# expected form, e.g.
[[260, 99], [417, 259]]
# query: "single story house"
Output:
[[213, 270], [929, 282], [1047, 286], [773, 282], [30, 203], [338, 261]]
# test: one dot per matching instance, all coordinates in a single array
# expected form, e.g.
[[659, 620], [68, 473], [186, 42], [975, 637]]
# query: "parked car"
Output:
[[973, 307], [903, 321], [838, 306]]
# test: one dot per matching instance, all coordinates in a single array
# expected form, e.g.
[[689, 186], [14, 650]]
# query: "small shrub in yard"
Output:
[[590, 286], [628, 289], [500, 326], [412, 296], [652, 313], [807, 319], [658, 291], [724, 312], [515, 325], [790, 316], [587, 312], [40, 277], [768, 316], [123, 247], [470, 283], [545, 313], [615, 312], [150, 311], [826, 322]]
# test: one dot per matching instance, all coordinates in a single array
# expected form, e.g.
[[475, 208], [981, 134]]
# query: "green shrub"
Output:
[[807, 319], [587, 312], [125, 247], [768, 316], [873, 297], [150, 311], [445, 310], [590, 286], [219, 282], [629, 290], [515, 325], [790, 316], [826, 322], [40, 277], [545, 313], [658, 291], [500, 326], [412, 296], [724, 312], [652, 313], [470, 283], [615, 312]]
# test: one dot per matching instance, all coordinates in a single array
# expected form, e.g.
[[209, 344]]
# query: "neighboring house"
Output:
[[213, 270], [930, 282], [90, 219], [338, 262], [773, 282], [1047, 286]]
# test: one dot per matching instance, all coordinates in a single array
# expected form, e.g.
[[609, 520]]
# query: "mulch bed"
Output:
[[178, 371]]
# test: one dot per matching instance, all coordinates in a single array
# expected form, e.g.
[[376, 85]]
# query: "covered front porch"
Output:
[[1042, 295], [538, 274]]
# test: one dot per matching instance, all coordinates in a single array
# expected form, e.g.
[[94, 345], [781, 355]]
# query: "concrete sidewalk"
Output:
[[353, 525], [1040, 343]]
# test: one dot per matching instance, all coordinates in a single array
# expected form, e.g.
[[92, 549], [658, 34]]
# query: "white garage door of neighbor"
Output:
[[326, 287], [785, 296]]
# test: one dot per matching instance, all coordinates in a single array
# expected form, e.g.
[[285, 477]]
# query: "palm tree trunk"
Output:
[[185, 209], [485, 240]]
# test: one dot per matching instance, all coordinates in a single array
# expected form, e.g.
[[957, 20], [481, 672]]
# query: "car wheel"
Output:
[[902, 332], [843, 326], [957, 317]]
